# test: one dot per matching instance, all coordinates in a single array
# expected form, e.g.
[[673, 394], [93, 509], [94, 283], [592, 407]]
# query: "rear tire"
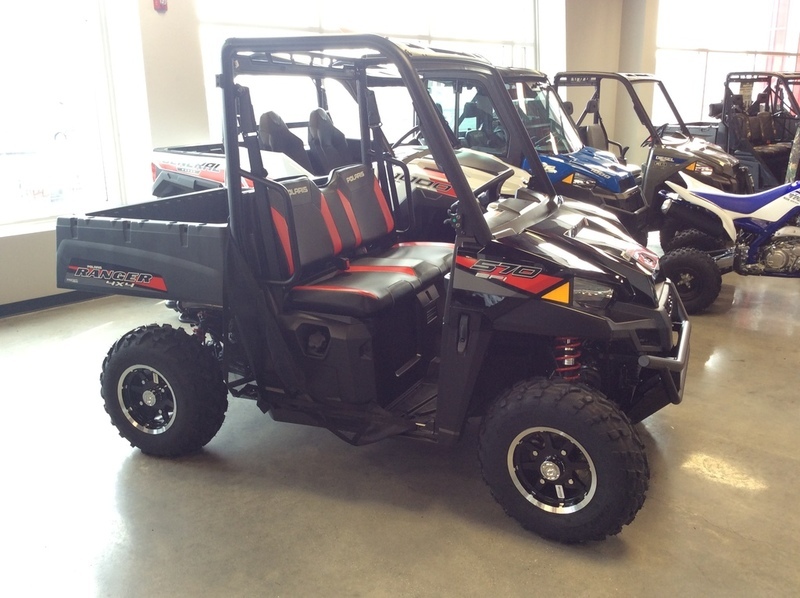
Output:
[[696, 276], [692, 237], [163, 391], [563, 461]]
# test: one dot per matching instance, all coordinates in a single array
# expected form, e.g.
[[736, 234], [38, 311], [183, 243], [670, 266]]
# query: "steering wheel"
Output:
[[538, 143], [659, 133], [490, 190], [411, 133]]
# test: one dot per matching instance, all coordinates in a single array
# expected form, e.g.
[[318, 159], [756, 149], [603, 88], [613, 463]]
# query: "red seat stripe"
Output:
[[408, 271], [283, 234], [320, 287], [331, 226], [351, 217]]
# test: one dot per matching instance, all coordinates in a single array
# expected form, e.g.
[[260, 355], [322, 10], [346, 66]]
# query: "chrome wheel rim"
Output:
[[146, 399], [552, 470]]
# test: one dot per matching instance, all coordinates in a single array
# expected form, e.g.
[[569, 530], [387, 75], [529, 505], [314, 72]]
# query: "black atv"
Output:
[[544, 319]]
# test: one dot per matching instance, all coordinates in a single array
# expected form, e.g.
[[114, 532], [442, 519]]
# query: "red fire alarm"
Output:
[[160, 5]]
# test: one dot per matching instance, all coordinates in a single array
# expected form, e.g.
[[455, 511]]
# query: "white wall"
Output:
[[612, 35]]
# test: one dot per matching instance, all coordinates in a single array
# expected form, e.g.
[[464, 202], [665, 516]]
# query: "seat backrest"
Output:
[[334, 221], [739, 125], [767, 127], [756, 135], [274, 135], [358, 205], [328, 145], [736, 102], [596, 136]]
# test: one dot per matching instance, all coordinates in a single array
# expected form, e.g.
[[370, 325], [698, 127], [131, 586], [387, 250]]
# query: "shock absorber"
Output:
[[567, 353]]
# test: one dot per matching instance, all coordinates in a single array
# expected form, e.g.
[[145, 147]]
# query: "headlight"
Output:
[[591, 294], [579, 180], [701, 168]]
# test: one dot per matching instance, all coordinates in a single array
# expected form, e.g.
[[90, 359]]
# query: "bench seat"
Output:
[[349, 262]]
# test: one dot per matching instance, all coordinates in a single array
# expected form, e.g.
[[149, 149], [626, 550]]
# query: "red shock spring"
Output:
[[568, 357]]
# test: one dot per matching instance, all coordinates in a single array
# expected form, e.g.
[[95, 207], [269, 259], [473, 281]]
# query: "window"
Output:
[[699, 43], [51, 111], [548, 126], [533, 34]]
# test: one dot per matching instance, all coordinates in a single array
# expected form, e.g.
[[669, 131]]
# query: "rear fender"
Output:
[[687, 195]]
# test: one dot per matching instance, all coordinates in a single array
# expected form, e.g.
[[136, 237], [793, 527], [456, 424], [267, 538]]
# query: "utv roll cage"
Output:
[[629, 81], [253, 56]]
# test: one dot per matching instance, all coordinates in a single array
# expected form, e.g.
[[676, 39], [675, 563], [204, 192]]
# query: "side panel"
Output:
[[168, 249]]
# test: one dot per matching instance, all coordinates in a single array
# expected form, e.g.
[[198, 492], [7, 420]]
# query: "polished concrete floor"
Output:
[[273, 509]]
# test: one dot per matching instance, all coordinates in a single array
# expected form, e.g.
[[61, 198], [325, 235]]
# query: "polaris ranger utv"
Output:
[[543, 318]]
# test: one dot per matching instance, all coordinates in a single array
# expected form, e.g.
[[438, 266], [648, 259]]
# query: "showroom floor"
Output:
[[274, 509]]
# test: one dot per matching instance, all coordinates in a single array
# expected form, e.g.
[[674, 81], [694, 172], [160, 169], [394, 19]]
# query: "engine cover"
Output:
[[782, 256]]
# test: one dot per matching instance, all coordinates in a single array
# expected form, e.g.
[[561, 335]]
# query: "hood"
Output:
[[597, 165], [698, 148], [479, 168], [574, 235]]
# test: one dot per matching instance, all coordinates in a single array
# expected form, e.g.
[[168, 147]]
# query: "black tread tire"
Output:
[[691, 237], [696, 276], [198, 393], [605, 433], [667, 232]]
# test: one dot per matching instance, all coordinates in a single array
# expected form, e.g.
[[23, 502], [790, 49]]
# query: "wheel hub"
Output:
[[149, 398], [550, 471]]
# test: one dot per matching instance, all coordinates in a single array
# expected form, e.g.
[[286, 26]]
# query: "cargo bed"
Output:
[[171, 249]]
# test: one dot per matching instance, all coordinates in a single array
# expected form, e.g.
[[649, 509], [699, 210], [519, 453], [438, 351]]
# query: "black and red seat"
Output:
[[349, 263]]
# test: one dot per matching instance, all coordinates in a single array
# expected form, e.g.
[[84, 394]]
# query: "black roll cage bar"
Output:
[[255, 55], [628, 81]]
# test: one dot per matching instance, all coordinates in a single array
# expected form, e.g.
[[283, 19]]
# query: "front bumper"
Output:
[[663, 376]]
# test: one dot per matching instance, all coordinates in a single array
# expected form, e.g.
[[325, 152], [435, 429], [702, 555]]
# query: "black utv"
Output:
[[543, 318]]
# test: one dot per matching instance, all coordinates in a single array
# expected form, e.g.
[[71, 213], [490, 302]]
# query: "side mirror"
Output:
[[568, 108]]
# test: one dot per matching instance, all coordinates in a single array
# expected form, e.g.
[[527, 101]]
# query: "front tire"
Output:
[[163, 391], [563, 461], [696, 276]]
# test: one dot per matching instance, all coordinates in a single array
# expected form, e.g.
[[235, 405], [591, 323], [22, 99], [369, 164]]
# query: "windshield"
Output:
[[470, 113], [546, 122], [664, 110]]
